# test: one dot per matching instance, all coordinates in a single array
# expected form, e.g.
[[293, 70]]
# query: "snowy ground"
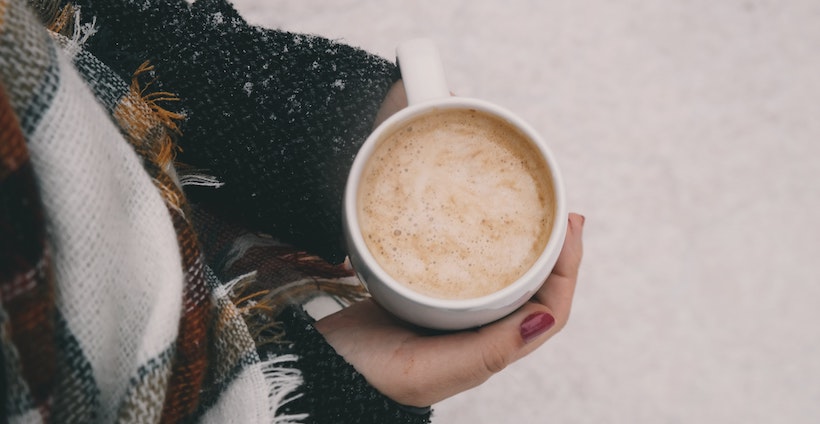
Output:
[[689, 134]]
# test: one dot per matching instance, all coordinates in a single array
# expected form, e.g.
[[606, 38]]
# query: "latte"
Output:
[[456, 204]]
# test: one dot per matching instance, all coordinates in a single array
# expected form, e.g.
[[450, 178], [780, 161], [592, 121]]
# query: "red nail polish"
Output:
[[536, 325]]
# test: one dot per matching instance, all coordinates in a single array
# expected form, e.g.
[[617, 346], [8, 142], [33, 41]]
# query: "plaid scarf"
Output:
[[119, 300]]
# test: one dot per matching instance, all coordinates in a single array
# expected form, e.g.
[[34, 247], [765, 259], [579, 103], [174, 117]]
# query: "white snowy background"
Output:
[[689, 136]]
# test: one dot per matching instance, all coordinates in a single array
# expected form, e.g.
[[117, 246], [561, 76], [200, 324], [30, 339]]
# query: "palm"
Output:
[[420, 367]]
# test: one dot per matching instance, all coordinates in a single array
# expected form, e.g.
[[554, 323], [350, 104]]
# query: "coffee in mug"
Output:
[[454, 209], [456, 203]]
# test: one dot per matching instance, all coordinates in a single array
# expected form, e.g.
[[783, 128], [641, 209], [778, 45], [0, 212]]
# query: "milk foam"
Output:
[[456, 205]]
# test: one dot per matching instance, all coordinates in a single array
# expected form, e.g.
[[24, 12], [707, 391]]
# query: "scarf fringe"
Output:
[[72, 34], [58, 20], [260, 308], [148, 103], [140, 114], [201, 180], [283, 381]]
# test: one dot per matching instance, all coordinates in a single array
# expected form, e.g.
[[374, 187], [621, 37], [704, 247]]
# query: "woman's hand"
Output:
[[418, 367]]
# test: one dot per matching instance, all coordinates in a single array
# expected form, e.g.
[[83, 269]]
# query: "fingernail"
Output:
[[583, 220], [536, 325]]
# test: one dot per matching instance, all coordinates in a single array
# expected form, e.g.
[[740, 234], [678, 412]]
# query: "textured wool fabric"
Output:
[[123, 260], [329, 370], [276, 117], [119, 301], [115, 231], [27, 288]]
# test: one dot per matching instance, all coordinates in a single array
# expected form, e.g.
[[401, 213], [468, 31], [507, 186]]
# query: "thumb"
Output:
[[463, 360]]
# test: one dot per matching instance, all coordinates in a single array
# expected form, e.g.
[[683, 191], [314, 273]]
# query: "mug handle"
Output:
[[421, 71]]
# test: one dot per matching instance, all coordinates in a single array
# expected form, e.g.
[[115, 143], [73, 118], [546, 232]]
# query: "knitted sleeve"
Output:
[[333, 391], [275, 117]]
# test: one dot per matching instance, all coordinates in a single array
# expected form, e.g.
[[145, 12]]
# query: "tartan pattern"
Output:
[[148, 133], [47, 371], [121, 302], [27, 288], [76, 397]]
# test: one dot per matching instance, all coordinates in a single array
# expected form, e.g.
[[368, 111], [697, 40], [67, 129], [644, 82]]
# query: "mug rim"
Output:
[[528, 282]]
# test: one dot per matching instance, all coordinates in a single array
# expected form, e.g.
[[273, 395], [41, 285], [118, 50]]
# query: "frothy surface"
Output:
[[456, 204]]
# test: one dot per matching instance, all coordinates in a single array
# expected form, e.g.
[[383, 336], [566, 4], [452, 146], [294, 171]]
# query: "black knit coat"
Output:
[[277, 117]]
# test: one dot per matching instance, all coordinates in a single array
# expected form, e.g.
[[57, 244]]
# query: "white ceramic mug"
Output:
[[427, 92]]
